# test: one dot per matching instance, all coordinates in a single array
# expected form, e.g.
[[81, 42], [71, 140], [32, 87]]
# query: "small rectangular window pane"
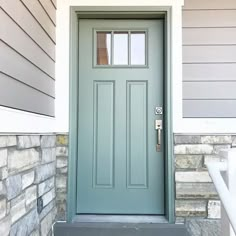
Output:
[[138, 48], [120, 56], [103, 48]]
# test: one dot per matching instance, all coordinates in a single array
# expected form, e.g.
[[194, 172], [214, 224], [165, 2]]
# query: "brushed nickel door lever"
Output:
[[158, 127]]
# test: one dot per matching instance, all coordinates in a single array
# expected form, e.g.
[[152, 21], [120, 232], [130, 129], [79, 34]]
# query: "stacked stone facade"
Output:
[[61, 175], [33, 182], [197, 202], [27, 184]]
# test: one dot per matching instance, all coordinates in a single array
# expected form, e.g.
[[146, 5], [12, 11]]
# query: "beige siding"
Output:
[[209, 54], [41, 16], [209, 36], [54, 2], [209, 18], [200, 90], [209, 58], [212, 72], [27, 69], [209, 108], [50, 9], [209, 4]]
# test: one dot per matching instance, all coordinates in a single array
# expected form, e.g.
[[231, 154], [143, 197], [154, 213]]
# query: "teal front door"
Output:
[[120, 167]]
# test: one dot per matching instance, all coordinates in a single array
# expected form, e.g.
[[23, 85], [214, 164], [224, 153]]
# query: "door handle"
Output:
[[158, 127]]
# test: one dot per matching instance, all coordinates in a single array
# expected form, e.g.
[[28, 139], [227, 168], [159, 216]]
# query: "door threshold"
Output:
[[136, 219]]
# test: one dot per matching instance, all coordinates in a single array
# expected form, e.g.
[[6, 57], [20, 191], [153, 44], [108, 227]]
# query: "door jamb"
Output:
[[75, 13]]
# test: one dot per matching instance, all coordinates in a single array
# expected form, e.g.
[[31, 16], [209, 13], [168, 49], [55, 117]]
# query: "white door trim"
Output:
[[63, 42]]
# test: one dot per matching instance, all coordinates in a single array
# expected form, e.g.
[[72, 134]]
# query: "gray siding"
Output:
[[24, 96], [209, 58], [27, 69]]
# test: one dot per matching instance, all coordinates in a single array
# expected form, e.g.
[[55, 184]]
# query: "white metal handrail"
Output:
[[223, 175]]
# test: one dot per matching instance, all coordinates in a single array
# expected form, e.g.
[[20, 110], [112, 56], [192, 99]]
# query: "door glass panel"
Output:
[[138, 48], [120, 56], [103, 48]]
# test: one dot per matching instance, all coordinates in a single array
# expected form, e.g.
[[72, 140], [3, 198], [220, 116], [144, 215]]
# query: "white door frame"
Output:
[[173, 72]]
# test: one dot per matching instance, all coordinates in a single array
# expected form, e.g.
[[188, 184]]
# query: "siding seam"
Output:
[[29, 36], [53, 4], [203, 63], [209, 45], [47, 13], [209, 27], [210, 9], [38, 22], [27, 84], [209, 99], [203, 81], [27, 59]]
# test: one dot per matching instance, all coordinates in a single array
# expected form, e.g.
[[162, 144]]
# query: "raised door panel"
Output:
[[103, 169], [137, 133]]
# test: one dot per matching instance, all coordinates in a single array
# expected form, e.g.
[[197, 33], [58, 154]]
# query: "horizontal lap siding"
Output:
[[210, 18], [24, 45], [25, 98], [207, 90], [50, 9], [209, 4], [24, 70], [54, 2], [209, 108], [28, 24], [41, 16], [209, 58], [209, 36], [209, 72], [209, 54], [28, 44]]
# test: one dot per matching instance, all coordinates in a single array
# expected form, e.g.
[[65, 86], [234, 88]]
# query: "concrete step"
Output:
[[118, 229]]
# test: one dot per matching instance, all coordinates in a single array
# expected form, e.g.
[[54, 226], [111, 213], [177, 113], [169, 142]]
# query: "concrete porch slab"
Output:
[[118, 229]]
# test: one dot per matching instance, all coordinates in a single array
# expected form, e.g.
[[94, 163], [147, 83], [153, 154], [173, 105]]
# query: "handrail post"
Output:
[[230, 180]]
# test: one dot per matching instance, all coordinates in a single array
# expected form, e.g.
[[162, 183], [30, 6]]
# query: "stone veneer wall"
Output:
[[61, 176], [34, 167], [197, 203], [30, 176]]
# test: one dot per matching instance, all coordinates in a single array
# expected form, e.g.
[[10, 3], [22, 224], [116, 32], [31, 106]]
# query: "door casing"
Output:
[[77, 13]]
